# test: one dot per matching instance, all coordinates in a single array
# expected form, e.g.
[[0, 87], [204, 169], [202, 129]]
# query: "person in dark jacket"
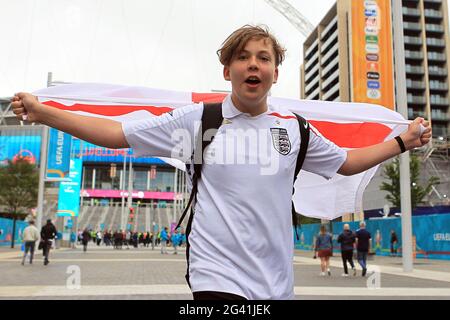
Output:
[[86, 236], [394, 242], [347, 241], [48, 233], [363, 246]]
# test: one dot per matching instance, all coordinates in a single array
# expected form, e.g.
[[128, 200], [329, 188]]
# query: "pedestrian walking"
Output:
[[118, 239], [347, 241], [324, 250], [48, 234], [79, 236], [164, 239], [29, 236], [235, 199], [99, 237], [153, 240], [127, 240], [394, 243], [86, 237], [93, 236], [363, 246], [73, 240], [175, 238]]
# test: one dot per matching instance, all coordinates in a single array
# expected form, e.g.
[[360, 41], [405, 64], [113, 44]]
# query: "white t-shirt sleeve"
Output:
[[323, 156], [170, 135]]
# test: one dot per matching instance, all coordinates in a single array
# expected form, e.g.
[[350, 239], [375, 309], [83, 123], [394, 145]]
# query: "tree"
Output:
[[418, 192], [19, 189], [307, 220]]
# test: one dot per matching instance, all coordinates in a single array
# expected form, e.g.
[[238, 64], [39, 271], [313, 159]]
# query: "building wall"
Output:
[[427, 42]]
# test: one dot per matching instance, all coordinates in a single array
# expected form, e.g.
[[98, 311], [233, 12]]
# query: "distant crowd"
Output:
[[120, 238]]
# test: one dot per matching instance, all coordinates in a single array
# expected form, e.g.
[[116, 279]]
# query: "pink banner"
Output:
[[136, 194]]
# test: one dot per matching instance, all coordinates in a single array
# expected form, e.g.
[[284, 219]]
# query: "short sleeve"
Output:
[[323, 156], [170, 135]]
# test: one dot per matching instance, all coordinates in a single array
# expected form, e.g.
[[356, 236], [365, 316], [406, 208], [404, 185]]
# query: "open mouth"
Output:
[[253, 80]]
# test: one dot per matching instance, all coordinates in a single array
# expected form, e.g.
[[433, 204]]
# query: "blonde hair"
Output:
[[237, 41]]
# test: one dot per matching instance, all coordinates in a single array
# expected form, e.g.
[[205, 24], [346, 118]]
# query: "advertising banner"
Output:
[[431, 235], [6, 227], [98, 193], [94, 153], [13, 147], [59, 146], [372, 53], [69, 191]]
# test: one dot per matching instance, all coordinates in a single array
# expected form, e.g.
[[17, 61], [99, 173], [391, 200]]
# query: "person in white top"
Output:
[[29, 236], [245, 190]]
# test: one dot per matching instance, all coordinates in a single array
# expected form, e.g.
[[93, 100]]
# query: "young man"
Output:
[[394, 242], [29, 236], [236, 201], [48, 234], [347, 241], [363, 246]]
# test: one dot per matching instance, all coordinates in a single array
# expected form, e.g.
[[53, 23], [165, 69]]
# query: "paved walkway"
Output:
[[141, 273]]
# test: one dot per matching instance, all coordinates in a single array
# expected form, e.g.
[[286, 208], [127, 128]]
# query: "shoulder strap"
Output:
[[211, 119], [304, 142]]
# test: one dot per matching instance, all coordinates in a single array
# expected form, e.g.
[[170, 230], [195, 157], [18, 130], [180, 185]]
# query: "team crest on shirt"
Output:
[[281, 141]]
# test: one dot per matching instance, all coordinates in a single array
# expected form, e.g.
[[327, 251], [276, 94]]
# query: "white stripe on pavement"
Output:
[[52, 260], [420, 274], [136, 290], [365, 292], [60, 291]]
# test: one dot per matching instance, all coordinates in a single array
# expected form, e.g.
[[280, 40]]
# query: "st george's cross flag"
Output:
[[348, 125]]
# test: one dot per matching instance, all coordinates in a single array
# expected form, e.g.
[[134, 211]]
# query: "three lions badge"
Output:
[[281, 141]]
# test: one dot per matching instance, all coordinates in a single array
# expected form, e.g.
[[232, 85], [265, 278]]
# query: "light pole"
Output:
[[402, 108], [42, 168], [122, 187]]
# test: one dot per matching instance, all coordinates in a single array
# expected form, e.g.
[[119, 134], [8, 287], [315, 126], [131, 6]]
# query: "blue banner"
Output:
[[13, 147], [69, 191], [431, 235], [29, 147], [6, 227], [58, 163], [93, 153]]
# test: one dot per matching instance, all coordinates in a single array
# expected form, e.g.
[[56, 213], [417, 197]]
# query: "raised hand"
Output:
[[416, 136], [26, 107]]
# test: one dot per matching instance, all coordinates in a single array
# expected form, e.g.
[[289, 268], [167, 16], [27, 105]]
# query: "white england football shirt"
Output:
[[241, 240]]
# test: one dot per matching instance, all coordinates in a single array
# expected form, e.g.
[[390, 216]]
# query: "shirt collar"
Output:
[[228, 109]]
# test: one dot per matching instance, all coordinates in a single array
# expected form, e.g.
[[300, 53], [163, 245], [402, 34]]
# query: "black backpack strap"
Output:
[[304, 142], [211, 119], [191, 197]]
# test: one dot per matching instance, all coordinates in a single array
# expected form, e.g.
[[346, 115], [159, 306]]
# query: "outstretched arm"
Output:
[[102, 132], [360, 160]]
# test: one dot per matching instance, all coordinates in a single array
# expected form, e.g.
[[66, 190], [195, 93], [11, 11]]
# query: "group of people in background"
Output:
[[120, 238], [349, 241], [31, 235]]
